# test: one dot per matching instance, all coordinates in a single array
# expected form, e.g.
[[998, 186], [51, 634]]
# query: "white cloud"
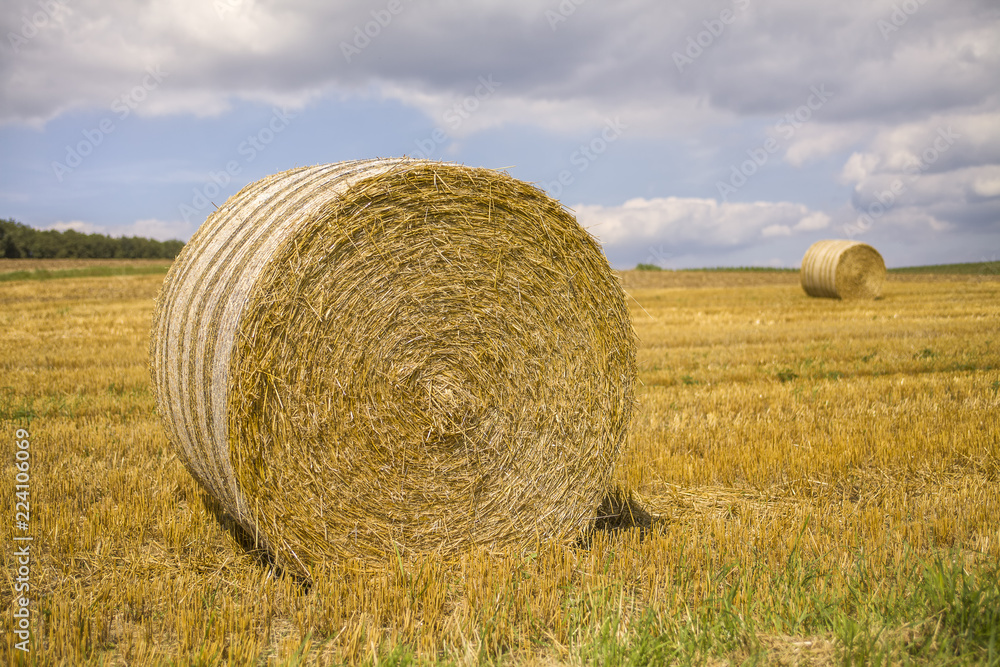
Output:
[[938, 174], [464, 113], [987, 182], [78, 226], [813, 221], [858, 166], [936, 142], [460, 113], [691, 223], [776, 230], [815, 141], [160, 230]]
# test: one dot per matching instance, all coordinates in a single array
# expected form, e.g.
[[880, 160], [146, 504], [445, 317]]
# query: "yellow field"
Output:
[[824, 476], [12, 265]]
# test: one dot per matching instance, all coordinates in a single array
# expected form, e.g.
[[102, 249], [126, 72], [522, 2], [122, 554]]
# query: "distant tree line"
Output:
[[18, 240]]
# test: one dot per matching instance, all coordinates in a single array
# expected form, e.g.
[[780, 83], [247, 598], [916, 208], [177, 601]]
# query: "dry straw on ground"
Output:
[[384, 356], [842, 269]]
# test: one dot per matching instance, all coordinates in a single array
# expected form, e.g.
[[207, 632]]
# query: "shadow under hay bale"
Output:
[[239, 534], [395, 354], [619, 511]]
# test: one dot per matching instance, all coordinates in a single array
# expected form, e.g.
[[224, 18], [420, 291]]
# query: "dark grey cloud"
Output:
[[748, 57]]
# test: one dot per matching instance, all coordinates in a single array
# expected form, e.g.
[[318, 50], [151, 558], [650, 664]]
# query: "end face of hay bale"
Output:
[[410, 356], [842, 269]]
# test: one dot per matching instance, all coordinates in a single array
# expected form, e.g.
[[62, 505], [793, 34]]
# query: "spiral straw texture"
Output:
[[395, 355], [842, 270]]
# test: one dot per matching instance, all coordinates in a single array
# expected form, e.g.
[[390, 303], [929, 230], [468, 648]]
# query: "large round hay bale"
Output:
[[395, 355], [842, 269]]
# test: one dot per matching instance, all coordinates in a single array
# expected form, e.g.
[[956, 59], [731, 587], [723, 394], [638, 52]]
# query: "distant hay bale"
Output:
[[842, 269], [395, 354]]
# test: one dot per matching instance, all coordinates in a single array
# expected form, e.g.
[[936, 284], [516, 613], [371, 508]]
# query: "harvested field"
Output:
[[14, 265], [825, 477], [633, 280]]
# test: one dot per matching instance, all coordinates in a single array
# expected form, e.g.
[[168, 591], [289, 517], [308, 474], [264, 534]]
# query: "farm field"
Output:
[[824, 478], [48, 269]]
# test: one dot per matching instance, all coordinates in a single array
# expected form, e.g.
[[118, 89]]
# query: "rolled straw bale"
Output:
[[395, 354], [842, 269]]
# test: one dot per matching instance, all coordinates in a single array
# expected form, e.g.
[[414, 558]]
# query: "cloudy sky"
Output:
[[682, 133]]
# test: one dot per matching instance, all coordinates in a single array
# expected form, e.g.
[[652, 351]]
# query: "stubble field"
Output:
[[823, 475]]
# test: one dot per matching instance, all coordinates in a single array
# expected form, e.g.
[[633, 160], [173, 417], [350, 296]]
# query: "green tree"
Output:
[[20, 240]]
